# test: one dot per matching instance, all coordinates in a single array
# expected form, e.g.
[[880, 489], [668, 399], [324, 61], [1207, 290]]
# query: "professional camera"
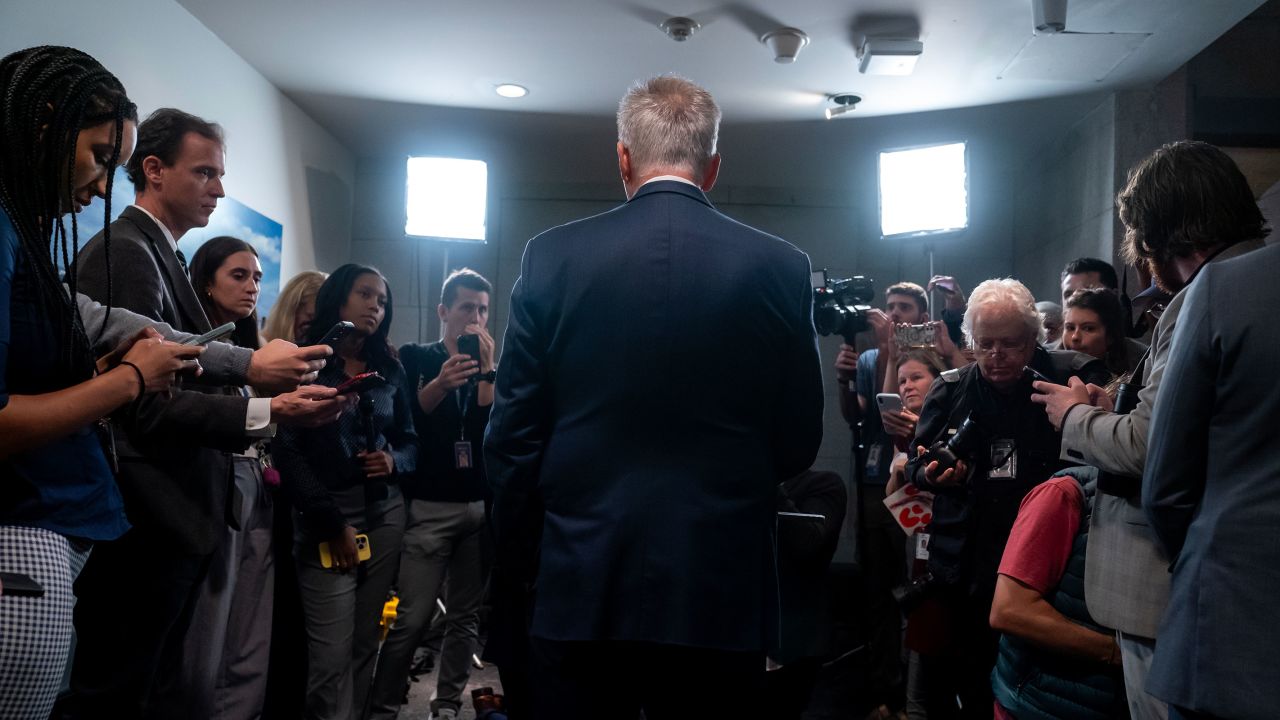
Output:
[[960, 446], [840, 307]]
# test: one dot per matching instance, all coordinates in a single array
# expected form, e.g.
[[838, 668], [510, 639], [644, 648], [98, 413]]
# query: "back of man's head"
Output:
[[161, 135], [668, 124], [1081, 266], [1184, 198]]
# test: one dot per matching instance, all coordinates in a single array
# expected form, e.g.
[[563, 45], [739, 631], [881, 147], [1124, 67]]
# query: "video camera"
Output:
[[841, 306]]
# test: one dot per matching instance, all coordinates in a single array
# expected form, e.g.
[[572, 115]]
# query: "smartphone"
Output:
[[336, 333], [360, 383], [889, 401], [362, 551], [19, 585], [1038, 376], [215, 334], [916, 336], [470, 345]]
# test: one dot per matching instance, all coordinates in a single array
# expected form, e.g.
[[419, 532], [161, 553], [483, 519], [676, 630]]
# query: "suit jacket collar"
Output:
[[671, 186], [184, 296]]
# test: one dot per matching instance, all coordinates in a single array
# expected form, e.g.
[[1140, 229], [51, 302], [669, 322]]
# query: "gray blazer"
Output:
[[175, 484], [1126, 585], [1212, 493]]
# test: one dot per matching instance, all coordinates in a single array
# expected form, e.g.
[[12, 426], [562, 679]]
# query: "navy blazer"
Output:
[[1211, 489], [659, 378]]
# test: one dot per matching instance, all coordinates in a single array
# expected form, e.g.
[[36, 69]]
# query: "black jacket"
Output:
[[972, 521]]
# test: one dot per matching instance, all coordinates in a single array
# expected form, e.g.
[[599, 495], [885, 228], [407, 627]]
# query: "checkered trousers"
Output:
[[35, 633]]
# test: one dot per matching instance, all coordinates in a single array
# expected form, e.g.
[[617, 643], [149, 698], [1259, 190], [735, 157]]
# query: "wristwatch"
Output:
[[489, 377]]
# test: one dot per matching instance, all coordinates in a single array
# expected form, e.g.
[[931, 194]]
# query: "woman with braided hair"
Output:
[[65, 124]]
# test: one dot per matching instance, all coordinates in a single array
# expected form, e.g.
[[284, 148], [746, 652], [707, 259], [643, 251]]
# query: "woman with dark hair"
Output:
[[342, 481], [226, 648], [1093, 323], [65, 124]]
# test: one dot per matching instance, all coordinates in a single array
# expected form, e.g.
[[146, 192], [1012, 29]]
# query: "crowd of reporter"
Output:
[[213, 528]]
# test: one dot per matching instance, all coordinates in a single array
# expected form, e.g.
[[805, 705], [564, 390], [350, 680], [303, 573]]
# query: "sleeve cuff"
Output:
[[257, 418]]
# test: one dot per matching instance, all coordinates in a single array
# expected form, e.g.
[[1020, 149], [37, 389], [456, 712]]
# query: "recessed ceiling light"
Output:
[[509, 90]]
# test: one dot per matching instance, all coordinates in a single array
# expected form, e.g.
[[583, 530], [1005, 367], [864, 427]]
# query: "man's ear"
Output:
[[710, 172], [152, 170], [624, 163], [442, 312]]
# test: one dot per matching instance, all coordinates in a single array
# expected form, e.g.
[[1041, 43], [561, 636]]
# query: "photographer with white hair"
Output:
[[982, 444]]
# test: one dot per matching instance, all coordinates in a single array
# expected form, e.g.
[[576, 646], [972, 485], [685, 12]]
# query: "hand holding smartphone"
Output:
[[215, 334]]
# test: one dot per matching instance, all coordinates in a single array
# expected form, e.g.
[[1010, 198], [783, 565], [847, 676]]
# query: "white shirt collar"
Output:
[[173, 244], [676, 178]]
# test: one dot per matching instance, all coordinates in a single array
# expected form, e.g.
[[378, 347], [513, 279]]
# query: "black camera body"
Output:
[[840, 307], [960, 446]]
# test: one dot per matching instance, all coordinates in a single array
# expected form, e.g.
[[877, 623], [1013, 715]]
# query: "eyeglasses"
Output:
[[988, 347]]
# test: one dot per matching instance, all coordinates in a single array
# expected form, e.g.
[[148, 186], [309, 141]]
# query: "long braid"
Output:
[[49, 94]]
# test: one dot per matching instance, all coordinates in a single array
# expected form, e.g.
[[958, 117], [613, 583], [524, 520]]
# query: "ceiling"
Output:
[[578, 56]]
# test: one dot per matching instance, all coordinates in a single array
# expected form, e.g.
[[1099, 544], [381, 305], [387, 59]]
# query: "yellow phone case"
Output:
[[363, 552]]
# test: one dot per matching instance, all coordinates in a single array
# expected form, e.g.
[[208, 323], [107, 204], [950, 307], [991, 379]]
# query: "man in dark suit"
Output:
[[1212, 493], [657, 464], [1184, 206], [174, 467]]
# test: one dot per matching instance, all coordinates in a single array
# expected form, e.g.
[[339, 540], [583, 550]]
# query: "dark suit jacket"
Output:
[[659, 378], [174, 483], [1211, 490]]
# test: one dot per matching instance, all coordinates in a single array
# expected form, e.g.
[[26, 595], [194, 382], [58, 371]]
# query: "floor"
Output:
[[419, 707]]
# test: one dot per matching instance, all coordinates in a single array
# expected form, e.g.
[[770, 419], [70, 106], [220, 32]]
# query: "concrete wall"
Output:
[[813, 184], [165, 57]]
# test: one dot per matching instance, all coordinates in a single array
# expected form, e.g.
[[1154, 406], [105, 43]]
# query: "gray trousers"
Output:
[[1135, 657], [222, 670], [442, 539], [342, 611]]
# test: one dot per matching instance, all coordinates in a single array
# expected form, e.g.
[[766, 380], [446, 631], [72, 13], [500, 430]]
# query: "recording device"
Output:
[[1036, 375], [960, 446], [336, 333], [19, 585], [361, 383], [363, 551], [215, 334], [1127, 397], [889, 402], [840, 307], [470, 345], [915, 337]]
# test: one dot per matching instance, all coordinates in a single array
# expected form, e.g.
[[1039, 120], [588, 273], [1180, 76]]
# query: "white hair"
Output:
[[1005, 293], [668, 122]]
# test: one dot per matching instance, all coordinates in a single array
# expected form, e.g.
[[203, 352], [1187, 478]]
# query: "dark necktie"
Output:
[[182, 260]]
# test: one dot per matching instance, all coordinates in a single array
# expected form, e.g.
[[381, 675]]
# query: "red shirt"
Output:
[[1040, 542]]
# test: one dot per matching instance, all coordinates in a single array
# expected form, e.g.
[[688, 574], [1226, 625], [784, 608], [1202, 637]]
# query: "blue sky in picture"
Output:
[[232, 218]]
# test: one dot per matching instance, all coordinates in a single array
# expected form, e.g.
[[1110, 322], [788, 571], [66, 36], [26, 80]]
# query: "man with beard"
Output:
[[1184, 206]]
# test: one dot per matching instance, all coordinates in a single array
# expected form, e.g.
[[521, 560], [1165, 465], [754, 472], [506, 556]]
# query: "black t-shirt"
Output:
[[438, 477]]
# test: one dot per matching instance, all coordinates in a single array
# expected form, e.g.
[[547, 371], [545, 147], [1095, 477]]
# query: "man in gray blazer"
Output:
[[1185, 205], [1212, 492], [174, 470]]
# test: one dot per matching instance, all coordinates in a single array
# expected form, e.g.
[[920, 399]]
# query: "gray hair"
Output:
[[1005, 293], [668, 122], [1049, 311]]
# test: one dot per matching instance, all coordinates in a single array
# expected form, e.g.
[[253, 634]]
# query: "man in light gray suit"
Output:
[[1184, 206], [1212, 492]]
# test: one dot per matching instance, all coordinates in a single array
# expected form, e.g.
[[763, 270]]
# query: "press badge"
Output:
[[873, 459], [1004, 459], [462, 455], [922, 546]]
